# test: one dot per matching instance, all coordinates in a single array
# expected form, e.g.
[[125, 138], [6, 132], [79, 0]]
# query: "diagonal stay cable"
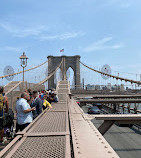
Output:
[[48, 77], [116, 77], [24, 71]]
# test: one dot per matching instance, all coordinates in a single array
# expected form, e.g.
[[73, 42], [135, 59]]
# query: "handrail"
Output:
[[13, 88], [7, 84]]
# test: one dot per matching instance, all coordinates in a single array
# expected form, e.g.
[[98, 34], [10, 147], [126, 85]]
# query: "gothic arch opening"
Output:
[[58, 76], [70, 77]]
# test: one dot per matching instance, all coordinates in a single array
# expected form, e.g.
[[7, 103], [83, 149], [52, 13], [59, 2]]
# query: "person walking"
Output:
[[24, 112]]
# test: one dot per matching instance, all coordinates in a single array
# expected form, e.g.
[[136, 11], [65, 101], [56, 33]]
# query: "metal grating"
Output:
[[10, 147], [63, 90], [63, 82], [59, 107], [50, 122], [43, 147], [62, 97], [6, 153], [63, 86]]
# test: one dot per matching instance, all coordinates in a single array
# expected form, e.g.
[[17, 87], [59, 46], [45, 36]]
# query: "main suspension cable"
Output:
[[116, 77], [48, 77], [24, 71]]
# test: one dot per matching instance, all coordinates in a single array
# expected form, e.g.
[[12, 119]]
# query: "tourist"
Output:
[[46, 104], [42, 95], [3, 102], [24, 112], [55, 97], [50, 99], [37, 103]]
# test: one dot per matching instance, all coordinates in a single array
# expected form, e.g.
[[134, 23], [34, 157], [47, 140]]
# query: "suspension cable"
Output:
[[116, 77], [48, 77], [24, 71]]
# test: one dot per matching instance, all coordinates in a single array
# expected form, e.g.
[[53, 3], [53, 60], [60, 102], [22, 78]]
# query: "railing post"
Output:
[[12, 100], [135, 109], [21, 87], [128, 108]]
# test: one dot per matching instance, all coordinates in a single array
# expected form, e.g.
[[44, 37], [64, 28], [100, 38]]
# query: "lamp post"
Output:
[[23, 62]]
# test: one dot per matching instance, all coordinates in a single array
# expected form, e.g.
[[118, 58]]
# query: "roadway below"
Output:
[[124, 140]]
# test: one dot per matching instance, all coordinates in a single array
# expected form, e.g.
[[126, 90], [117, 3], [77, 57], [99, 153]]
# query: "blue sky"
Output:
[[100, 31]]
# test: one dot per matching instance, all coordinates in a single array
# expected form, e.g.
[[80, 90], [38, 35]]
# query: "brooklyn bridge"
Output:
[[70, 128]]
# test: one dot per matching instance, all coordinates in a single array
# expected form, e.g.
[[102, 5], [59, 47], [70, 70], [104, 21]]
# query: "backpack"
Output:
[[8, 121], [1, 102]]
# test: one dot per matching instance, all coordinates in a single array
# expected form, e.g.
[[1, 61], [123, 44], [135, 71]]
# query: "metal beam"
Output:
[[109, 120], [117, 117], [110, 100], [105, 126], [112, 96]]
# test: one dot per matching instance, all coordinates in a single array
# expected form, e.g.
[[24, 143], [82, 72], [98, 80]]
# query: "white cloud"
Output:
[[23, 32], [101, 45], [38, 32], [10, 48], [63, 36], [120, 3], [104, 40], [6, 27], [30, 32]]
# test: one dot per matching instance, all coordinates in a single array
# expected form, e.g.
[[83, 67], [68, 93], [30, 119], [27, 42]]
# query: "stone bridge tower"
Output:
[[68, 61]]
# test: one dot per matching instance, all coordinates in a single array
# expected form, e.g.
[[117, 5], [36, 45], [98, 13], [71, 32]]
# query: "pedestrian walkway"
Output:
[[62, 132]]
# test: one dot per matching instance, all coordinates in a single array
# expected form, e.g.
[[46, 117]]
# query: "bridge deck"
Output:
[[63, 132], [46, 136]]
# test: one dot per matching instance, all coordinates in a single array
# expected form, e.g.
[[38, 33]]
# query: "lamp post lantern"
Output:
[[23, 62]]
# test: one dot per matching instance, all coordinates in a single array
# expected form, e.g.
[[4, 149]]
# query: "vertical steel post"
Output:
[[64, 68], [64, 65], [23, 74], [83, 82], [12, 100]]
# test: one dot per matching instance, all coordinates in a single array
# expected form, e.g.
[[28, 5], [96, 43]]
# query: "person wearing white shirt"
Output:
[[24, 112]]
